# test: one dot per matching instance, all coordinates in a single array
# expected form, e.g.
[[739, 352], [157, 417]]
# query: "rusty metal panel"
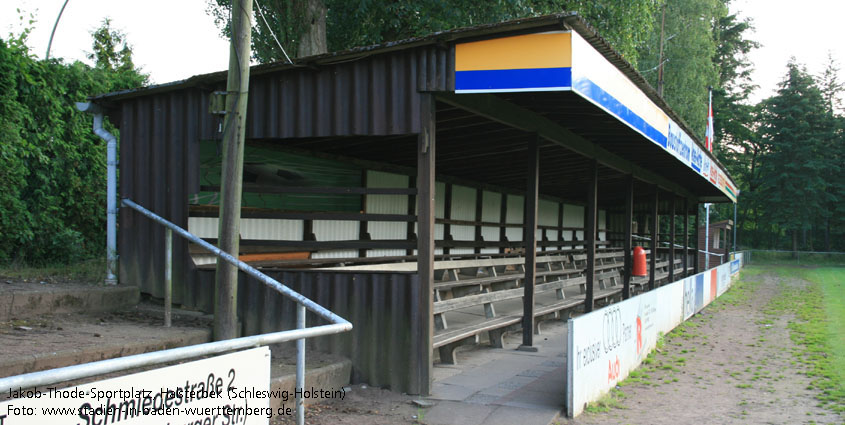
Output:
[[383, 309]]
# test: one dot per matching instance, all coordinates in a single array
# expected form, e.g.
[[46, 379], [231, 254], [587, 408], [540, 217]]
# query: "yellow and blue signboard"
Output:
[[533, 62], [564, 61]]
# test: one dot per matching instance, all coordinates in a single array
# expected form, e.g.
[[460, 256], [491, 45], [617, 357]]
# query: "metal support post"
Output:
[[300, 367], [168, 274]]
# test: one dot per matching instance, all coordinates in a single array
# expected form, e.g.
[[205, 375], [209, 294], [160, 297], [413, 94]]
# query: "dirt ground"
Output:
[[730, 364], [362, 405]]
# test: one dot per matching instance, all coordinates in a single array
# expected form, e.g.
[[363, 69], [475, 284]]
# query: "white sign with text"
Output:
[[224, 390]]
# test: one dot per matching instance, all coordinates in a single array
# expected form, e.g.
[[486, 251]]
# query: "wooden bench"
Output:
[[447, 339], [461, 277]]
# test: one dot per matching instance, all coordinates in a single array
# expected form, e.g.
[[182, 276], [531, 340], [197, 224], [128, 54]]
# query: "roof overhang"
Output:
[[563, 61]]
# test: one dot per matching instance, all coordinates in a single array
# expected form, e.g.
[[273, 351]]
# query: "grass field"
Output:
[[819, 312]]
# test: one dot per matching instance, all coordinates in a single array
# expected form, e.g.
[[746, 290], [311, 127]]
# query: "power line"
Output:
[[271, 32]]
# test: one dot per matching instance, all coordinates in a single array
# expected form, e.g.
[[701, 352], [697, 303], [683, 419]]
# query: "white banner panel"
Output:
[[224, 390], [606, 345]]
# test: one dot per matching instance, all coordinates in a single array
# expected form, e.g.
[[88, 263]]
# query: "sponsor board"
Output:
[[735, 266], [224, 390], [604, 346], [689, 297], [714, 285], [699, 291]]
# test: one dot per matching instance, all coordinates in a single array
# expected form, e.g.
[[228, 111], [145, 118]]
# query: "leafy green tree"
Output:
[[112, 53], [52, 168], [833, 151], [689, 48], [737, 144], [353, 23], [793, 128]]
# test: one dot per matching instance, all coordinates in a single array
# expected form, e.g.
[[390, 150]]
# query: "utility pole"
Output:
[[231, 178], [660, 57]]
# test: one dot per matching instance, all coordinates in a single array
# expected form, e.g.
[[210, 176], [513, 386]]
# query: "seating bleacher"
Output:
[[462, 290]]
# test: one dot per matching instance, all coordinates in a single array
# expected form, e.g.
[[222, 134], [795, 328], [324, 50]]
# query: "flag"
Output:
[[708, 134]]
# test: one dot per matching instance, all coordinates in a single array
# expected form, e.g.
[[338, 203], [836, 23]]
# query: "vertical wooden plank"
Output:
[[530, 230], [590, 234], [479, 205], [655, 222], [363, 227], [672, 239], [447, 215], [425, 240], [628, 226], [412, 208], [503, 220], [696, 261], [560, 224], [686, 237]]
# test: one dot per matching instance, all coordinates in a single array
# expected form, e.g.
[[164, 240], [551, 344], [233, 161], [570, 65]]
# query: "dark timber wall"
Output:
[[160, 133], [383, 309]]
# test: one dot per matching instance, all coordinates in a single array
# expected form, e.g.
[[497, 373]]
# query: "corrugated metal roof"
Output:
[[567, 20]]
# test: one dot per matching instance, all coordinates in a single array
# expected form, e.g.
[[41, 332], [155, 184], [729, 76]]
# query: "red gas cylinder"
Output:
[[639, 262]]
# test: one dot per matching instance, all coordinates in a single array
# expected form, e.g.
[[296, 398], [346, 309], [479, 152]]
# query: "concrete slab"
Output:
[[453, 392], [506, 385], [451, 412], [507, 415], [21, 300]]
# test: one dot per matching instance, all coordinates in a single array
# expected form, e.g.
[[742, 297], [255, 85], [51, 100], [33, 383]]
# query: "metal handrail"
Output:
[[338, 325]]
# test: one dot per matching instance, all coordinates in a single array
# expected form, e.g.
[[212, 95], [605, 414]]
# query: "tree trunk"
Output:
[[827, 234], [313, 40], [795, 243]]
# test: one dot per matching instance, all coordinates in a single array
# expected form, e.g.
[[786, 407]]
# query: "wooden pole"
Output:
[[627, 242], [686, 237], [652, 267], [531, 195], [672, 240], [479, 216], [696, 261], [425, 241], [231, 178], [590, 234]]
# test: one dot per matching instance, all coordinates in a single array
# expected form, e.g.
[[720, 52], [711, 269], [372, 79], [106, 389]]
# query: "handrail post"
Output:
[[300, 367], [168, 274]]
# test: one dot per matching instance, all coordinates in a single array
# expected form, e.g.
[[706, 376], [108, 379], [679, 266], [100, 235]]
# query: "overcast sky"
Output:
[[175, 39]]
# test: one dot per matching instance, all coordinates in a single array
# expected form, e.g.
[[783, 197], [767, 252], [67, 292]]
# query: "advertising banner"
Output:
[[223, 390], [604, 346]]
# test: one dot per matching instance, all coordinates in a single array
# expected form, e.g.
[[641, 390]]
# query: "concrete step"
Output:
[[57, 340], [23, 300], [51, 341]]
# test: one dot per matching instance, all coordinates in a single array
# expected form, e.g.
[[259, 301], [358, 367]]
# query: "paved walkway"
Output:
[[503, 386]]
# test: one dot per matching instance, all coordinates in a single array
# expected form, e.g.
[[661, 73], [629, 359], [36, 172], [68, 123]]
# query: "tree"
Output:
[[737, 144], [52, 168], [107, 57], [833, 150], [688, 56], [353, 23], [793, 128]]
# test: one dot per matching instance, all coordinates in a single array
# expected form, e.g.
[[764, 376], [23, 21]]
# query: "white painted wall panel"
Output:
[[387, 204], [491, 208]]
